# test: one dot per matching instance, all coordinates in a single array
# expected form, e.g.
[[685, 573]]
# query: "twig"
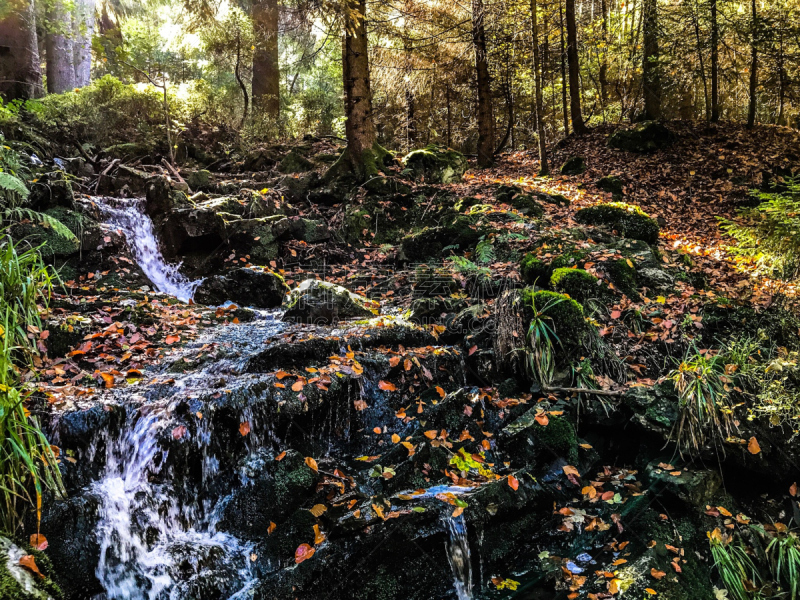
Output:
[[585, 391], [175, 173]]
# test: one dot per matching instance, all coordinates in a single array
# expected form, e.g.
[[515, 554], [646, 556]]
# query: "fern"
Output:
[[12, 190], [484, 252], [21, 214]]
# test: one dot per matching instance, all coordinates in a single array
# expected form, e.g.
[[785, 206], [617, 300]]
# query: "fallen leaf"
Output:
[[271, 528], [752, 446], [318, 509], [318, 536], [281, 456], [244, 427], [29, 562], [513, 482], [312, 464], [38, 541], [386, 386], [303, 552], [171, 339], [657, 574]]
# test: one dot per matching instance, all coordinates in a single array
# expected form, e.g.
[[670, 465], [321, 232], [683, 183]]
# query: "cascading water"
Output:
[[152, 546], [458, 555], [129, 217]]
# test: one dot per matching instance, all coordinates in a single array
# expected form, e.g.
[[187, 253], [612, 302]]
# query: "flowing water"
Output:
[[459, 556], [129, 217], [153, 546]]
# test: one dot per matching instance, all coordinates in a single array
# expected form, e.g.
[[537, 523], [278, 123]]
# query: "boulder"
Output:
[[647, 136], [51, 190], [161, 197], [18, 583], [431, 241], [576, 283], [574, 165], [696, 487], [53, 237], [612, 185], [248, 287], [628, 220], [199, 180], [436, 164], [293, 162], [320, 302]]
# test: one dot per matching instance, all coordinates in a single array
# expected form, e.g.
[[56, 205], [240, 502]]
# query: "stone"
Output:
[[199, 180], [431, 241], [612, 185], [320, 302], [18, 583], [436, 164], [628, 220], [51, 190], [161, 198], [244, 286], [293, 162], [576, 283], [647, 136], [656, 279], [695, 487], [574, 165], [55, 240]]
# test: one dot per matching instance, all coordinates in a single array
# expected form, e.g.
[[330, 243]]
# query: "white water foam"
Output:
[[459, 556], [129, 217]]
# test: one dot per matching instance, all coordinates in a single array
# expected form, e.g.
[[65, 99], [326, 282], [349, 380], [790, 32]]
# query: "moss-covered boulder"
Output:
[[436, 164], [199, 180], [612, 185], [248, 287], [623, 276], [647, 136], [535, 444], [538, 269], [576, 283], [565, 314], [19, 583], [50, 190], [574, 165], [320, 302], [527, 204], [53, 237], [293, 162], [457, 232], [628, 220], [255, 237]]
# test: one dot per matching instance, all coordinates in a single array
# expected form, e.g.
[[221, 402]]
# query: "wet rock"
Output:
[[161, 197], [696, 487], [248, 287], [627, 220], [55, 239], [320, 302], [63, 337], [656, 279], [51, 190], [294, 162], [647, 136], [574, 165], [436, 164], [654, 409], [255, 237]]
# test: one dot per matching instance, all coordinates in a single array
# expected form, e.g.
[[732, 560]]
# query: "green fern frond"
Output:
[[10, 184], [20, 214]]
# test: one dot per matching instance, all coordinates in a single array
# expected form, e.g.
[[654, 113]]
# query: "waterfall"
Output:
[[458, 555], [129, 217], [152, 544]]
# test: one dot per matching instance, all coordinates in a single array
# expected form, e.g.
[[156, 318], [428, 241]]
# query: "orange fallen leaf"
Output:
[[440, 391], [542, 419], [312, 464], [457, 512], [657, 574], [297, 386], [377, 430], [394, 361], [513, 482], [244, 427], [171, 339], [271, 527], [303, 552], [38, 541], [395, 438], [793, 489], [386, 386], [319, 537], [431, 434], [752, 446], [281, 456], [28, 562], [318, 509]]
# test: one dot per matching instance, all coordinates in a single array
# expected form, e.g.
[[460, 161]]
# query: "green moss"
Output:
[[537, 270], [559, 435], [576, 283], [10, 587], [628, 220], [293, 162], [574, 165], [611, 184], [647, 136], [53, 243], [566, 316], [436, 164], [623, 276], [527, 205], [430, 242]]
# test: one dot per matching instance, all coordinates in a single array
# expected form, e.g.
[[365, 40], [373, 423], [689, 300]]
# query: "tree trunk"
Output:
[[651, 80], [359, 126], [603, 76], [266, 72], [83, 31], [706, 99], [578, 126], [449, 118], [485, 114], [751, 109], [564, 111], [714, 63], [20, 73], [544, 169], [58, 45], [411, 121]]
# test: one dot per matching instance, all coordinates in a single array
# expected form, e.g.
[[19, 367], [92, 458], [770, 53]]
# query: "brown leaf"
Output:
[[281, 456], [752, 446], [312, 464], [318, 509], [38, 541], [513, 482], [319, 537], [271, 528], [29, 563], [386, 386], [303, 552], [178, 432], [171, 339], [244, 427]]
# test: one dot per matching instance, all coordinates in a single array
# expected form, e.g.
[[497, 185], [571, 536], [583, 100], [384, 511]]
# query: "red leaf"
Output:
[[303, 552], [513, 482]]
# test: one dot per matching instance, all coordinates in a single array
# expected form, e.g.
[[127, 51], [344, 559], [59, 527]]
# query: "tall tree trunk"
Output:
[[751, 109], [544, 168], [714, 63], [485, 114], [564, 111], [707, 100], [266, 72], [83, 31], [411, 123], [449, 118], [239, 80], [359, 126], [578, 126], [20, 72], [651, 79], [58, 45], [603, 76]]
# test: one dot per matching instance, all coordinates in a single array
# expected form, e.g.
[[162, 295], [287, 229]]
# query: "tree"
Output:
[[20, 74], [266, 70], [544, 169], [485, 113], [751, 109], [82, 45], [714, 63], [651, 80], [59, 48], [578, 126]]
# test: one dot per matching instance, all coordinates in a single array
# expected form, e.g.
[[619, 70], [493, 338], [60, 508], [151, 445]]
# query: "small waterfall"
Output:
[[129, 217], [152, 546], [458, 555]]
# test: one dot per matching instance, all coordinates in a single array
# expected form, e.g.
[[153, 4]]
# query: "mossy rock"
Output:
[[612, 185], [527, 205], [431, 241], [244, 286], [565, 314], [539, 270], [574, 165], [576, 283], [536, 442], [321, 302], [17, 583], [436, 164], [647, 136], [505, 193], [54, 243], [293, 162], [198, 180], [628, 220], [463, 204], [623, 276]]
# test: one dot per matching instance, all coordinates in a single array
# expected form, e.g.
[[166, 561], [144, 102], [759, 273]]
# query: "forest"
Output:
[[399, 299]]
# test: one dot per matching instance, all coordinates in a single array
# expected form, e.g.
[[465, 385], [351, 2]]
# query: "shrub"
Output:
[[768, 236], [565, 314], [576, 283], [628, 220]]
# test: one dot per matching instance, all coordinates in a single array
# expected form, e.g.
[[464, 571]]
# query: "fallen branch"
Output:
[[585, 391]]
